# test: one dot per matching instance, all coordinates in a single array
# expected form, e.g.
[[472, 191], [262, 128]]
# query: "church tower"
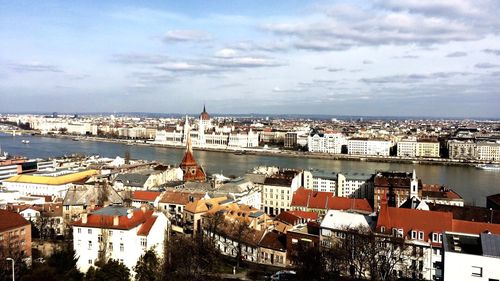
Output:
[[414, 185], [192, 171]]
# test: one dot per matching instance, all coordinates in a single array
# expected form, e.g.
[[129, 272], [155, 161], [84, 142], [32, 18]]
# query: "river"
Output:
[[472, 183]]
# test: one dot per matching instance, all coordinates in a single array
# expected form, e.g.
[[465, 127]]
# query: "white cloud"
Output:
[[186, 35]]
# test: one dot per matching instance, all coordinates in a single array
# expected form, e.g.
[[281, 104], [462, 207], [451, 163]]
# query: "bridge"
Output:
[[17, 132]]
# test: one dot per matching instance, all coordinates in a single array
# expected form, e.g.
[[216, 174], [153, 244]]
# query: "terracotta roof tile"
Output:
[[106, 221], [145, 195], [327, 200], [146, 227], [10, 220]]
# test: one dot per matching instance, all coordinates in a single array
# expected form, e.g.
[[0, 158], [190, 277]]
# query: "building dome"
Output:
[[204, 115]]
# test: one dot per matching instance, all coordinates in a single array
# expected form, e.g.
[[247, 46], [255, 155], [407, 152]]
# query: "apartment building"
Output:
[[368, 147], [119, 233], [278, 189]]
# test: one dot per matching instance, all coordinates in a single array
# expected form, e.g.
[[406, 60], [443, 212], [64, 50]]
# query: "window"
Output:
[[477, 271], [122, 248], [413, 234], [79, 230], [111, 246], [143, 243], [99, 237], [90, 245], [90, 261], [110, 233], [382, 229], [420, 235], [89, 231], [435, 237]]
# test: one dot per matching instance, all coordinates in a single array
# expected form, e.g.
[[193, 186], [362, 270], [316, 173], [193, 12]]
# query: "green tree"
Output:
[[110, 271], [148, 267]]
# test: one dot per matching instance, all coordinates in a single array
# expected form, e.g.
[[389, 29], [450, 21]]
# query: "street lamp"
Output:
[[13, 262]]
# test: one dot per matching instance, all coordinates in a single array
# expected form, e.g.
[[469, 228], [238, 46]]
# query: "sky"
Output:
[[436, 58]]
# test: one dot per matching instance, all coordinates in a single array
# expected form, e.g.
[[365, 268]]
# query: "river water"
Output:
[[472, 183]]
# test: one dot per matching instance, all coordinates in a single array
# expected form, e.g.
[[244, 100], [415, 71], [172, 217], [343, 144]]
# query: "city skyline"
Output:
[[380, 58]]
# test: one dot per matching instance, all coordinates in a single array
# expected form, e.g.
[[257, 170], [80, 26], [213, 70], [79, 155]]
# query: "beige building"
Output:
[[427, 148], [462, 150], [418, 148], [488, 151], [278, 189]]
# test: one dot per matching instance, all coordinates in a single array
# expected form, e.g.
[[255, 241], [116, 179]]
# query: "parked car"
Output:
[[284, 275]]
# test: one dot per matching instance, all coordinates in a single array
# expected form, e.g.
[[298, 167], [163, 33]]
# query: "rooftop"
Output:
[[52, 180]]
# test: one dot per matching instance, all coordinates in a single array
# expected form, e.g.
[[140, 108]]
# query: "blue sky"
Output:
[[382, 57]]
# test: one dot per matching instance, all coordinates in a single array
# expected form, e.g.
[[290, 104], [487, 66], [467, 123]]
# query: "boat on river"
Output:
[[489, 167]]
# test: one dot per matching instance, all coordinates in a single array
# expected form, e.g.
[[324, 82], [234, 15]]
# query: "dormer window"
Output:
[[413, 234], [420, 235], [382, 229], [435, 237]]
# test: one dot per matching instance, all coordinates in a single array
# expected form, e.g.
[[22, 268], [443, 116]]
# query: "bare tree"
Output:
[[362, 254], [212, 222], [102, 239]]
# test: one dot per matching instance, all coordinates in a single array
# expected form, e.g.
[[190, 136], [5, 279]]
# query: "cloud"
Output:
[[456, 54], [226, 53], [367, 62], [290, 90], [139, 59], [412, 78], [335, 69], [186, 35], [406, 57], [486, 65], [389, 23], [34, 67], [271, 46], [492, 51]]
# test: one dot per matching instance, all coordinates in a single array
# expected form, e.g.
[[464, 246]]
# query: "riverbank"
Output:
[[283, 153]]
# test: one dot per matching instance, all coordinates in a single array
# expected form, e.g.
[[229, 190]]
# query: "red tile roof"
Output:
[[475, 227], [305, 215], [146, 227], [327, 200], [145, 195], [428, 221], [180, 197], [104, 221], [10, 220], [288, 218]]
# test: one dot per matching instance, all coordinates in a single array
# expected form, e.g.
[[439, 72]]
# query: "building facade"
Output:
[[118, 233]]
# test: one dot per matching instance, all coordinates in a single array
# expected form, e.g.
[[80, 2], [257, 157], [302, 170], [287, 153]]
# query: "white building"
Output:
[[354, 185], [326, 143], [46, 184], [243, 191], [336, 223], [471, 257], [207, 139], [277, 191], [119, 233], [320, 181], [360, 146]]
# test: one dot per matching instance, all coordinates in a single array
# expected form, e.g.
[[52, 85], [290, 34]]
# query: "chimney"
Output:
[[84, 218], [129, 213], [143, 208], [116, 220]]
